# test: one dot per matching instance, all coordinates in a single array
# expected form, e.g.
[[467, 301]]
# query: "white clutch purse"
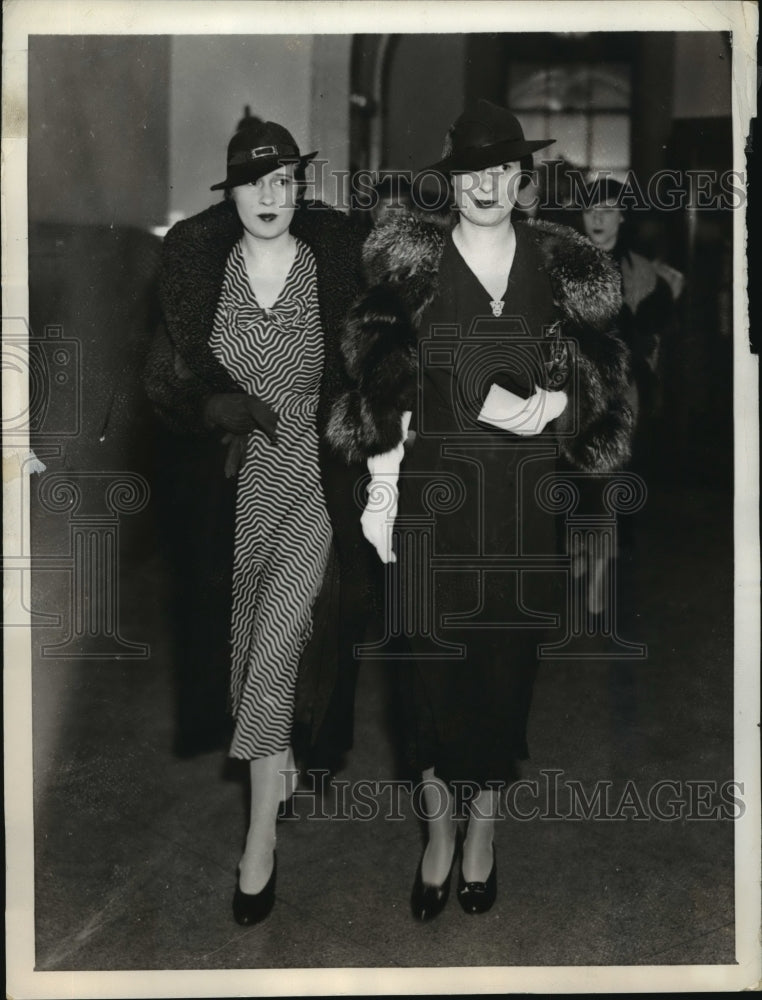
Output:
[[509, 412]]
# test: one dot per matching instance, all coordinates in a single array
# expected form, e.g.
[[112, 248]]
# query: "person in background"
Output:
[[650, 290], [492, 410], [392, 194], [253, 293], [389, 192], [548, 194]]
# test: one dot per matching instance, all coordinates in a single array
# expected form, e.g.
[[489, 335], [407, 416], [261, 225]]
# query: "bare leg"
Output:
[[437, 857], [266, 792], [477, 848], [290, 779]]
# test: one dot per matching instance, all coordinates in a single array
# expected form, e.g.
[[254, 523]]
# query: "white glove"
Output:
[[380, 511], [509, 412]]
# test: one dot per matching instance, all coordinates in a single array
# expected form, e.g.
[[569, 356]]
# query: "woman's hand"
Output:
[[235, 454], [543, 407], [380, 511], [377, 520], [240, 413], [525, 417]]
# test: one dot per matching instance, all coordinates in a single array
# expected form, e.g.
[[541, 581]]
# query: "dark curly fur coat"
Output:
[[181, 369], [379, 345]]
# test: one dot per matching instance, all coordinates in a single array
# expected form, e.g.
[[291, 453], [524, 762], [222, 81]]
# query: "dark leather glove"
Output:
[[240, 413], [235, 454]]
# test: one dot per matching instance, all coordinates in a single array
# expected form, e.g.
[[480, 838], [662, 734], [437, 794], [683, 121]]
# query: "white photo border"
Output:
[[199, 17]]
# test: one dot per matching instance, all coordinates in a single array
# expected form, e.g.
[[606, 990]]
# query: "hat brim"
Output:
[[255, 169], [481, 157]]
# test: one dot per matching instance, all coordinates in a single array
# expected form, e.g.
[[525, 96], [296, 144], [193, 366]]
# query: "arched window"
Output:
[[584, 103]]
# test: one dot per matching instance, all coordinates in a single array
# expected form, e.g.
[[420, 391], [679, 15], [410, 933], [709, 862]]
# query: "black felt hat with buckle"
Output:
[[258, 149], [485, 135]]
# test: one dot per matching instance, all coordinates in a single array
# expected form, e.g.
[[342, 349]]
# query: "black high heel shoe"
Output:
[[428, 901], [478, 897], [251, 908]]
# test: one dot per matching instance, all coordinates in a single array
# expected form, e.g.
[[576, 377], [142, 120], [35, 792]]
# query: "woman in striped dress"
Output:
[[253, 292], [267, 335], [271, 343]]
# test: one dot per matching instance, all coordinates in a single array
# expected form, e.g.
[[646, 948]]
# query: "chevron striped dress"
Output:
[[282, 531]]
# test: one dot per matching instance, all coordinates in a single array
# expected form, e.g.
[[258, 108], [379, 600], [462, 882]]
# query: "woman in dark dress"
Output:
[[494, 344], [496, 516]]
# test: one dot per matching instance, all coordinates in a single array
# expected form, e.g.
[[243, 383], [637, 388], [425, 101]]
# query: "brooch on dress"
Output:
[[497, 306], [558, 365]]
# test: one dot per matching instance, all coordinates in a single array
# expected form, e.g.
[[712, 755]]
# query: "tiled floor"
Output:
[[136, 849]]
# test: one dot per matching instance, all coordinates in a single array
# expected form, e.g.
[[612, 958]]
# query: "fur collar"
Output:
[[407, 250], [193, 268], [182, 368]]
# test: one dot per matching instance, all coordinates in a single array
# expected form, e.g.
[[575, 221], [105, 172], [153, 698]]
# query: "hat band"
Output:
[[247, 155], [485, 147]]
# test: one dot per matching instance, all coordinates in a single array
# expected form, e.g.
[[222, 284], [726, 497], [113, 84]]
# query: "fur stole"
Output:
[[181, 368], [379, 342]]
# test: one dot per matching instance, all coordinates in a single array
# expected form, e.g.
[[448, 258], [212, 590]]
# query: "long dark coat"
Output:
[[199, 502]]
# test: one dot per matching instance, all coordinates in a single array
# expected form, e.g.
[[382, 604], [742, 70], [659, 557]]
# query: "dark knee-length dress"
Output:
[[475, 549], [282, 530]]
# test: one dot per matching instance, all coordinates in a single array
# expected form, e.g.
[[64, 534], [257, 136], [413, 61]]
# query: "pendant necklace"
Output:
[[497, 305]]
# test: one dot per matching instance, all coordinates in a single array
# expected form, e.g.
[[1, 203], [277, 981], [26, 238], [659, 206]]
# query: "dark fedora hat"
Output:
[[258, 149], [603, 190], [485, 135]]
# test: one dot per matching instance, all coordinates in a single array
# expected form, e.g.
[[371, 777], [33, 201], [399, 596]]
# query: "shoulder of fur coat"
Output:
[[379, 343], [194, 257], [211, 234]]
